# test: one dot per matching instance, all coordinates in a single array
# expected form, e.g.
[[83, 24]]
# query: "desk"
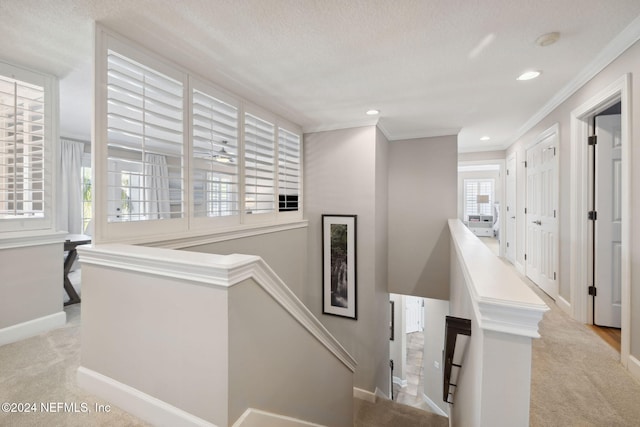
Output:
[[70, 244]]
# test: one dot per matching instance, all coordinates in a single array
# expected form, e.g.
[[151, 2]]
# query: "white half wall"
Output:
[[31, 284]]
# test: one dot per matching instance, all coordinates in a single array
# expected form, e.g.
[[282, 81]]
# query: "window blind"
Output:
[[215, 157], [22, 149], [259, 165], [288, 170], [145, 142]]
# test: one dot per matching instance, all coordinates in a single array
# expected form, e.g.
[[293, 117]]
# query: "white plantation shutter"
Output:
[[288, 170], [259, 165], [215, 157], [472, 189], [22, 150], [145, 127]]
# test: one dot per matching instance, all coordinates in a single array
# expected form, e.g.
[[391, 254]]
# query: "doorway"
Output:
[[584, 233], [606, 233]]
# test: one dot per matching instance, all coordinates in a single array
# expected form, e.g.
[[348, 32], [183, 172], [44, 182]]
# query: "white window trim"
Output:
[[49, 83], [189, 227]]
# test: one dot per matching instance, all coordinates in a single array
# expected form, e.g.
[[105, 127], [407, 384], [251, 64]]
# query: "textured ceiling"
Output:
[[432, 67]]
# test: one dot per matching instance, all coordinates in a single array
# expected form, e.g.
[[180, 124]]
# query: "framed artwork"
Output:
[[339, 288], [392, 324]]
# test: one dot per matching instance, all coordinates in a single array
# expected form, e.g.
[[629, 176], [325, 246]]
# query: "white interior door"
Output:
[[510, 209], [414, 316], [608, 227], [541, 256]]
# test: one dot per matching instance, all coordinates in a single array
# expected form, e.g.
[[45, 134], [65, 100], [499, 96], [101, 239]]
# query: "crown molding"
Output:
[[341, 126], [622, 42]]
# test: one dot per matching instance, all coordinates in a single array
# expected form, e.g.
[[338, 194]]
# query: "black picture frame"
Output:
[[392, 323], [339, 266]]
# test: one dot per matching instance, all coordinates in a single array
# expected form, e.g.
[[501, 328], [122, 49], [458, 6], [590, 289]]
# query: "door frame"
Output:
[[553, 130], [581, 301], [501, 215], [514, 238]]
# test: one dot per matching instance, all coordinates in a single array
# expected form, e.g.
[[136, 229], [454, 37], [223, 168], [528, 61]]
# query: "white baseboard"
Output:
[[633, 366], [257, 418], [520, 268], [364, 395], [142, 405], [402, 383], [435, 408], [32, 327], [382, 394], [564, 305]]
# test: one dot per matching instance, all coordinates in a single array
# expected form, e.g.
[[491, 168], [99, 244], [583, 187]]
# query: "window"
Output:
[[215, 157], [145, 142], [174, 147], [22, 149], [478, 197], [259, 165], [27, 144], [288, 170]]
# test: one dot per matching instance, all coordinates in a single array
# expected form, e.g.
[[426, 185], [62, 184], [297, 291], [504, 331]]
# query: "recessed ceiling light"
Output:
[[373, 112], [485, 138], [548, 39], [528, 75]]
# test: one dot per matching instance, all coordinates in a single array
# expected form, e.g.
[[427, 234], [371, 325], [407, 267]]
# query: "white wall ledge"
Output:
[[222, 271], [21, 239], [501, 300]]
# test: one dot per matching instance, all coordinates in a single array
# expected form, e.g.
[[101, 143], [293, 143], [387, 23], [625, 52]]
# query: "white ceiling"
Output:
[[432, 67]]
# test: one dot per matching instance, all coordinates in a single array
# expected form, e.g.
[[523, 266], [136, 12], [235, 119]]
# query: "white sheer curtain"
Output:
[[156, 185], [70, 187]]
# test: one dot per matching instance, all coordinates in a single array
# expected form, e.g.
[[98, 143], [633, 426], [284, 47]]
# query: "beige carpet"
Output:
[[42, 370], [577, 378], [386, 413]]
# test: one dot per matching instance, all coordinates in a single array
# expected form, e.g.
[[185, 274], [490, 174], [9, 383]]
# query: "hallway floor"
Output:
[[412, 394], [576, 377]]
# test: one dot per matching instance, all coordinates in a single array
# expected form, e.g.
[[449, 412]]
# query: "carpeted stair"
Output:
[[387, 413]]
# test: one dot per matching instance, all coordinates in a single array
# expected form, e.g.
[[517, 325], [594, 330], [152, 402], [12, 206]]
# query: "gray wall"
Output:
[[345, 173], [30, 283], [481, 156], [146, 331], [277, 366], [628, 62], [435, 312], [422, 197], [284, 251]]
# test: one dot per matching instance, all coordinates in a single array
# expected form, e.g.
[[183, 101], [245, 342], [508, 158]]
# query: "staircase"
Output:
[[387, 413]]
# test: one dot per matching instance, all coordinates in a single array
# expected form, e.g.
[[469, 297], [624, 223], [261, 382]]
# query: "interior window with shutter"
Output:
[[478, 197], [145, 142], [22, 149], [214, 157], [259, 165], [288, 170]]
